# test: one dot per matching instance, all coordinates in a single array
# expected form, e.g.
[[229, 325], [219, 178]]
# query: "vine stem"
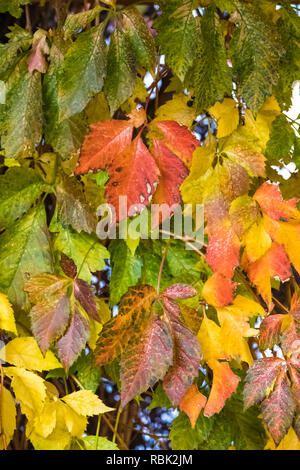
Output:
[[160, 270], [280, 304], [28, 20], [185, 240], [116, 424], [98, 431]]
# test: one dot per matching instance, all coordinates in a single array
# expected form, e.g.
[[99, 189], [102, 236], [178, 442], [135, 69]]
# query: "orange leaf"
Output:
[[223, 250], [192, 403], [179, 140], [218, 290], [273, 263], [104, 143], [270, 200], [224, 384]]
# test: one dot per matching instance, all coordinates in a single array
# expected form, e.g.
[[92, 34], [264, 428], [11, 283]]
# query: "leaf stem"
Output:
[[117, 424], [98, 431]]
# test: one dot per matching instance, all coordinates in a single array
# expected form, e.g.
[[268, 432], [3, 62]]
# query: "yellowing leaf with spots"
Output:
[[180, 109]]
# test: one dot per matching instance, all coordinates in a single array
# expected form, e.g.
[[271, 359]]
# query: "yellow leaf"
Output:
[[58, 440], [234, 321], [95, 330], [210, 340], [7, 319], [29, 389], [227, 115], [7, 417], [86, 403], [257, 242], [177, 110], [45, 422], [289, 442], [25, 352], [74, 422]]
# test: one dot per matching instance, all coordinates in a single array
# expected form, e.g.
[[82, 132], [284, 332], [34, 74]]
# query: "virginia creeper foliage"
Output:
[[173, 102]]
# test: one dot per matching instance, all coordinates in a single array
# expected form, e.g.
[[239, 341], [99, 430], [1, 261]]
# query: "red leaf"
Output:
[[180, 291], [278, 409], [224, 384], [295, 377], [223, 251], [186, 360], [270, 200], [270, 331], [68, 266], [173, 172], [133, 174], [147, 361], [179, 139], [218, 290], [260, 378], [84, 295], [192, 403], [103, 144], [36, 60], [72, 343]]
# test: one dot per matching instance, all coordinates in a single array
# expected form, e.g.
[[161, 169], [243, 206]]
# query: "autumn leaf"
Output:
[[146, 360], [186, 359], [192, 403], [134, 312]]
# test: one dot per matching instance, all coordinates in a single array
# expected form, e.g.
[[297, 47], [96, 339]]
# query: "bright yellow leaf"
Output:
[[289, 442], [45, 422], [29, 389], [227, 115], [7, 417], [7, 319], [257, 242], [86, 403], [25, 352], [210, 340]]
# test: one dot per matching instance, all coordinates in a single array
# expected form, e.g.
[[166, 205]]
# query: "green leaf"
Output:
[[178, 33], [76, 22], [88, 375], [126, 270], [82, 72], [102, 443], [255, 51], [67, 136], [121, 73], [85, 250], [139, 37], [183, 437], [282, 138], [210, 76], [24, 251], [289, 29], [22, 123], [19, 41], [13, 6], [159, 399], [19, 189]]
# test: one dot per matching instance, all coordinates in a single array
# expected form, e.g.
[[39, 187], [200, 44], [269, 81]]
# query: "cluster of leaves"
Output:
[[213, 331]]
